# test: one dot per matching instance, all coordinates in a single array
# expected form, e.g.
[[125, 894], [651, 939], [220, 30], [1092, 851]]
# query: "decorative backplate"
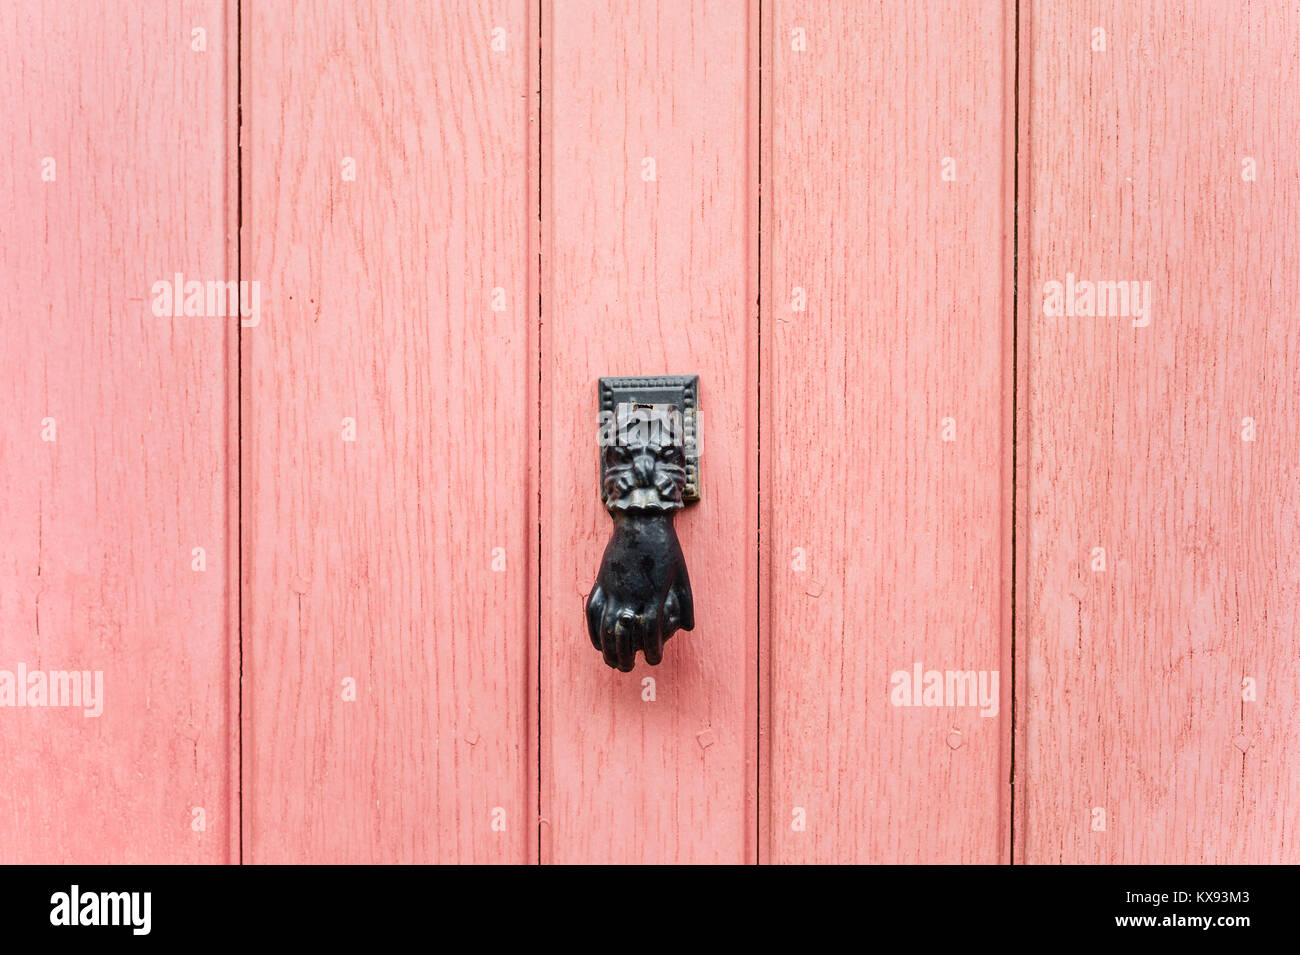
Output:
[[669, 404]]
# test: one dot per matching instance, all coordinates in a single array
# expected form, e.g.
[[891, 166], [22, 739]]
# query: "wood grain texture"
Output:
[[441, 559], [1130, 697], [641, 278], [101, 521], [889, 544], [374, 559]]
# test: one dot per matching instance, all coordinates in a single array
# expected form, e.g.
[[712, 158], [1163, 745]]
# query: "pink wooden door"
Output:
[[389, 434], [119, 550], [979, 576], [885, 429], [1157, 631], [648, 268]]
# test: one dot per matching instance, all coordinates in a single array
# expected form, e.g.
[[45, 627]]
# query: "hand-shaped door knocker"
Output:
[[650, 469]]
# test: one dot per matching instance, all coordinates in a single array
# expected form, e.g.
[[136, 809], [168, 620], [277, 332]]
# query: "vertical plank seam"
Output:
[[763, 617], [1015, 402], [1020, 413], [537, 496], [544, 469], [759, 854], [239, 401]]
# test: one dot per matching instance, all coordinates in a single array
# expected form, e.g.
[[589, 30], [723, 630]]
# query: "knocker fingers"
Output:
[[652, 640], [620, 640], [595, 613]]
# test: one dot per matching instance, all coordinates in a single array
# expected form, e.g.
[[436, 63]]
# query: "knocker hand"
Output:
[[642, 594]]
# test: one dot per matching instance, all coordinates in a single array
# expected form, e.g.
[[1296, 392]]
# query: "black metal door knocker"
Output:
[[649, 470]]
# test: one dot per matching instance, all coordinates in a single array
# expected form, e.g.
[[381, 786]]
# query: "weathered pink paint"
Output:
[[647, 269], [101, 523], [398, 560], [1131, 698], [886, 426], [460, 216]]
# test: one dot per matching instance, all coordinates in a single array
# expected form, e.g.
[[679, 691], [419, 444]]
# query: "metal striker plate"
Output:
[[619, 395]]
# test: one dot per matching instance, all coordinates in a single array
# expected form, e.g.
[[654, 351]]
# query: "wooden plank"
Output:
[[115, 434], [400, 559], [886, 376], [1135, 431], [649, 275]]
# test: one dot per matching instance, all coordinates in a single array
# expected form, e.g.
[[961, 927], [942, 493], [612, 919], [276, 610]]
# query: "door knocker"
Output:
[[649, 470]]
